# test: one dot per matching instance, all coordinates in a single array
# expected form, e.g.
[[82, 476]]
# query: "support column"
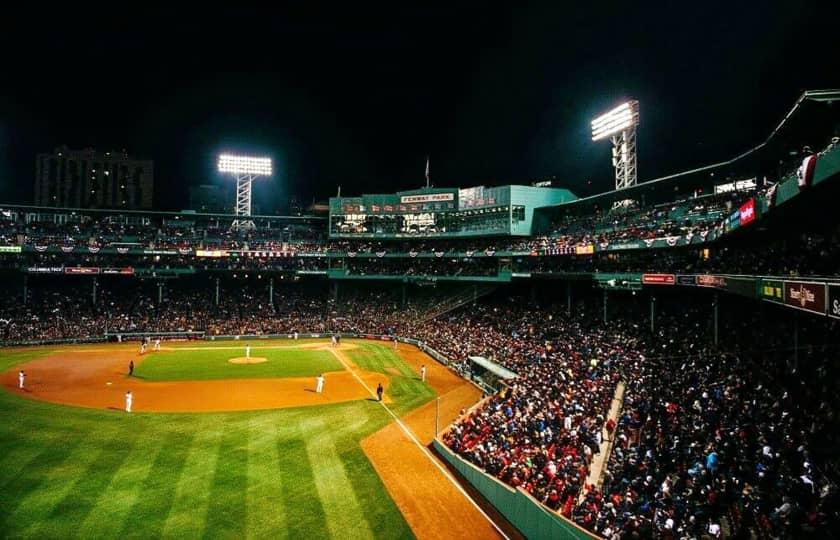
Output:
[[796, 340], [403, 295], [568, 298], [475, 293], [217, 291], [715, 304], [25, 289], [652, 313], [605, 306], [93, 294], [271, 292], [160, 292]]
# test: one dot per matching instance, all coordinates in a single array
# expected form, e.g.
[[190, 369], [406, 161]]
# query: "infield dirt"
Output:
[[98, 378]]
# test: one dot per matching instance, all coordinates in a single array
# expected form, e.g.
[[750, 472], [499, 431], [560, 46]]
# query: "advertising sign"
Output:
[[127, 271], [658, 279], [211, 253], [10, 249], [805, 296], [711, 281], [747, 212], [686, 280], [82, 270], [45, 270], [772, 290], [834, 301]]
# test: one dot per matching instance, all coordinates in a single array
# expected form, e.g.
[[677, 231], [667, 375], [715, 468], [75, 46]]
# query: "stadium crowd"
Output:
[[732, 440]]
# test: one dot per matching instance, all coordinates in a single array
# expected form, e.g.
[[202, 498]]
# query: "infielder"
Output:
[[423, 373], [396, 343], [129, 399], [21, 379], [333, 340], [248, 350], [143, 347], [296, 334], [319, 384], [157, 345]]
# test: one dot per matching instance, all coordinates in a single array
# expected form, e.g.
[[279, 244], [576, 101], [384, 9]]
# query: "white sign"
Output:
[[431, 197]]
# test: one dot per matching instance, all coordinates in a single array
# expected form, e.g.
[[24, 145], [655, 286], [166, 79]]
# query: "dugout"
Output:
[[488, 374]]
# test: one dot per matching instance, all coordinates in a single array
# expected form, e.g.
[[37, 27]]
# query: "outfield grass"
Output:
[[406, 388], [293, 473], [212, 363]]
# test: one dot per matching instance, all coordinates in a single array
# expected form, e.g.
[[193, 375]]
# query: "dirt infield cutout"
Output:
[[69, 378], [248, 360]]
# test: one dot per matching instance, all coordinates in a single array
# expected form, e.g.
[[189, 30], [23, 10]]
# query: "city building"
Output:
[[91, 179]]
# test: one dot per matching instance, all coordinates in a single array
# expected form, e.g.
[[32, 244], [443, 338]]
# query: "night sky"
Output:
[[358, 97]]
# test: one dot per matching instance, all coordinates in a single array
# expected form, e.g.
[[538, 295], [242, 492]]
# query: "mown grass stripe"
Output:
[[345, 518], [23, 499], [305, 516], [192, 493], [150, 510], [379, 510], [377, 507], [264, 495], [226, 510], [121, 495], [82, 495]]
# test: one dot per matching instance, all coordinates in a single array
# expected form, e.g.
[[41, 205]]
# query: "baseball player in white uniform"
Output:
[[129, 399], [319, 384], [333, 340], [21, 379], [157, 345], [248, 350], [296, 334], [423, 373]]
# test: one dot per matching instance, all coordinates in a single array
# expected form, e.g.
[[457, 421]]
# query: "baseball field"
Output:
[[201, 456]]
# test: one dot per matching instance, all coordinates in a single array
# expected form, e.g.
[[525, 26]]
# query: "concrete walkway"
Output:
[[599, 462]]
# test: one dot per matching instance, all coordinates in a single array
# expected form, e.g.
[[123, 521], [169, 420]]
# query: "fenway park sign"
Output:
[[806, 296]]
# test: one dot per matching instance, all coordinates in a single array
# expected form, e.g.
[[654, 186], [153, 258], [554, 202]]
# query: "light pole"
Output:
[[619, 125], [245, 169]]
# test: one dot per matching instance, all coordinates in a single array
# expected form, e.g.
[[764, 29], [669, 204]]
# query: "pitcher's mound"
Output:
[[248, 360]]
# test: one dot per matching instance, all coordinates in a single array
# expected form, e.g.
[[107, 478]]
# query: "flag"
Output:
[[427, 172], [805, 173]]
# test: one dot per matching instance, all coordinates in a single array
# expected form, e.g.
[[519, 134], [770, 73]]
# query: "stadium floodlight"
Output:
[[244, 169], [619, 125]]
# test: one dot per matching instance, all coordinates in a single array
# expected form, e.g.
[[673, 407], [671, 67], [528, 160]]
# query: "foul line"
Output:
[[422, 448]]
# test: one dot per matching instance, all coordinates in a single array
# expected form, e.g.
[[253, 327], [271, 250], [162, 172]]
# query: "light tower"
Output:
[[244, 169], [620, 125]]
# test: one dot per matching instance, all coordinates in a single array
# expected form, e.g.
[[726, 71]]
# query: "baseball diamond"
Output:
[[290, 466]]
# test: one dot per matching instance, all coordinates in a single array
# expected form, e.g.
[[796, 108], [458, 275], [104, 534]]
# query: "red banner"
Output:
[[81, 270], [747, 212], [658, 279]]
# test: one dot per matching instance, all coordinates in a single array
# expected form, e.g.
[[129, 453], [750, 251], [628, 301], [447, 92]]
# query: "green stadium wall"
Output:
[[530, 517]]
